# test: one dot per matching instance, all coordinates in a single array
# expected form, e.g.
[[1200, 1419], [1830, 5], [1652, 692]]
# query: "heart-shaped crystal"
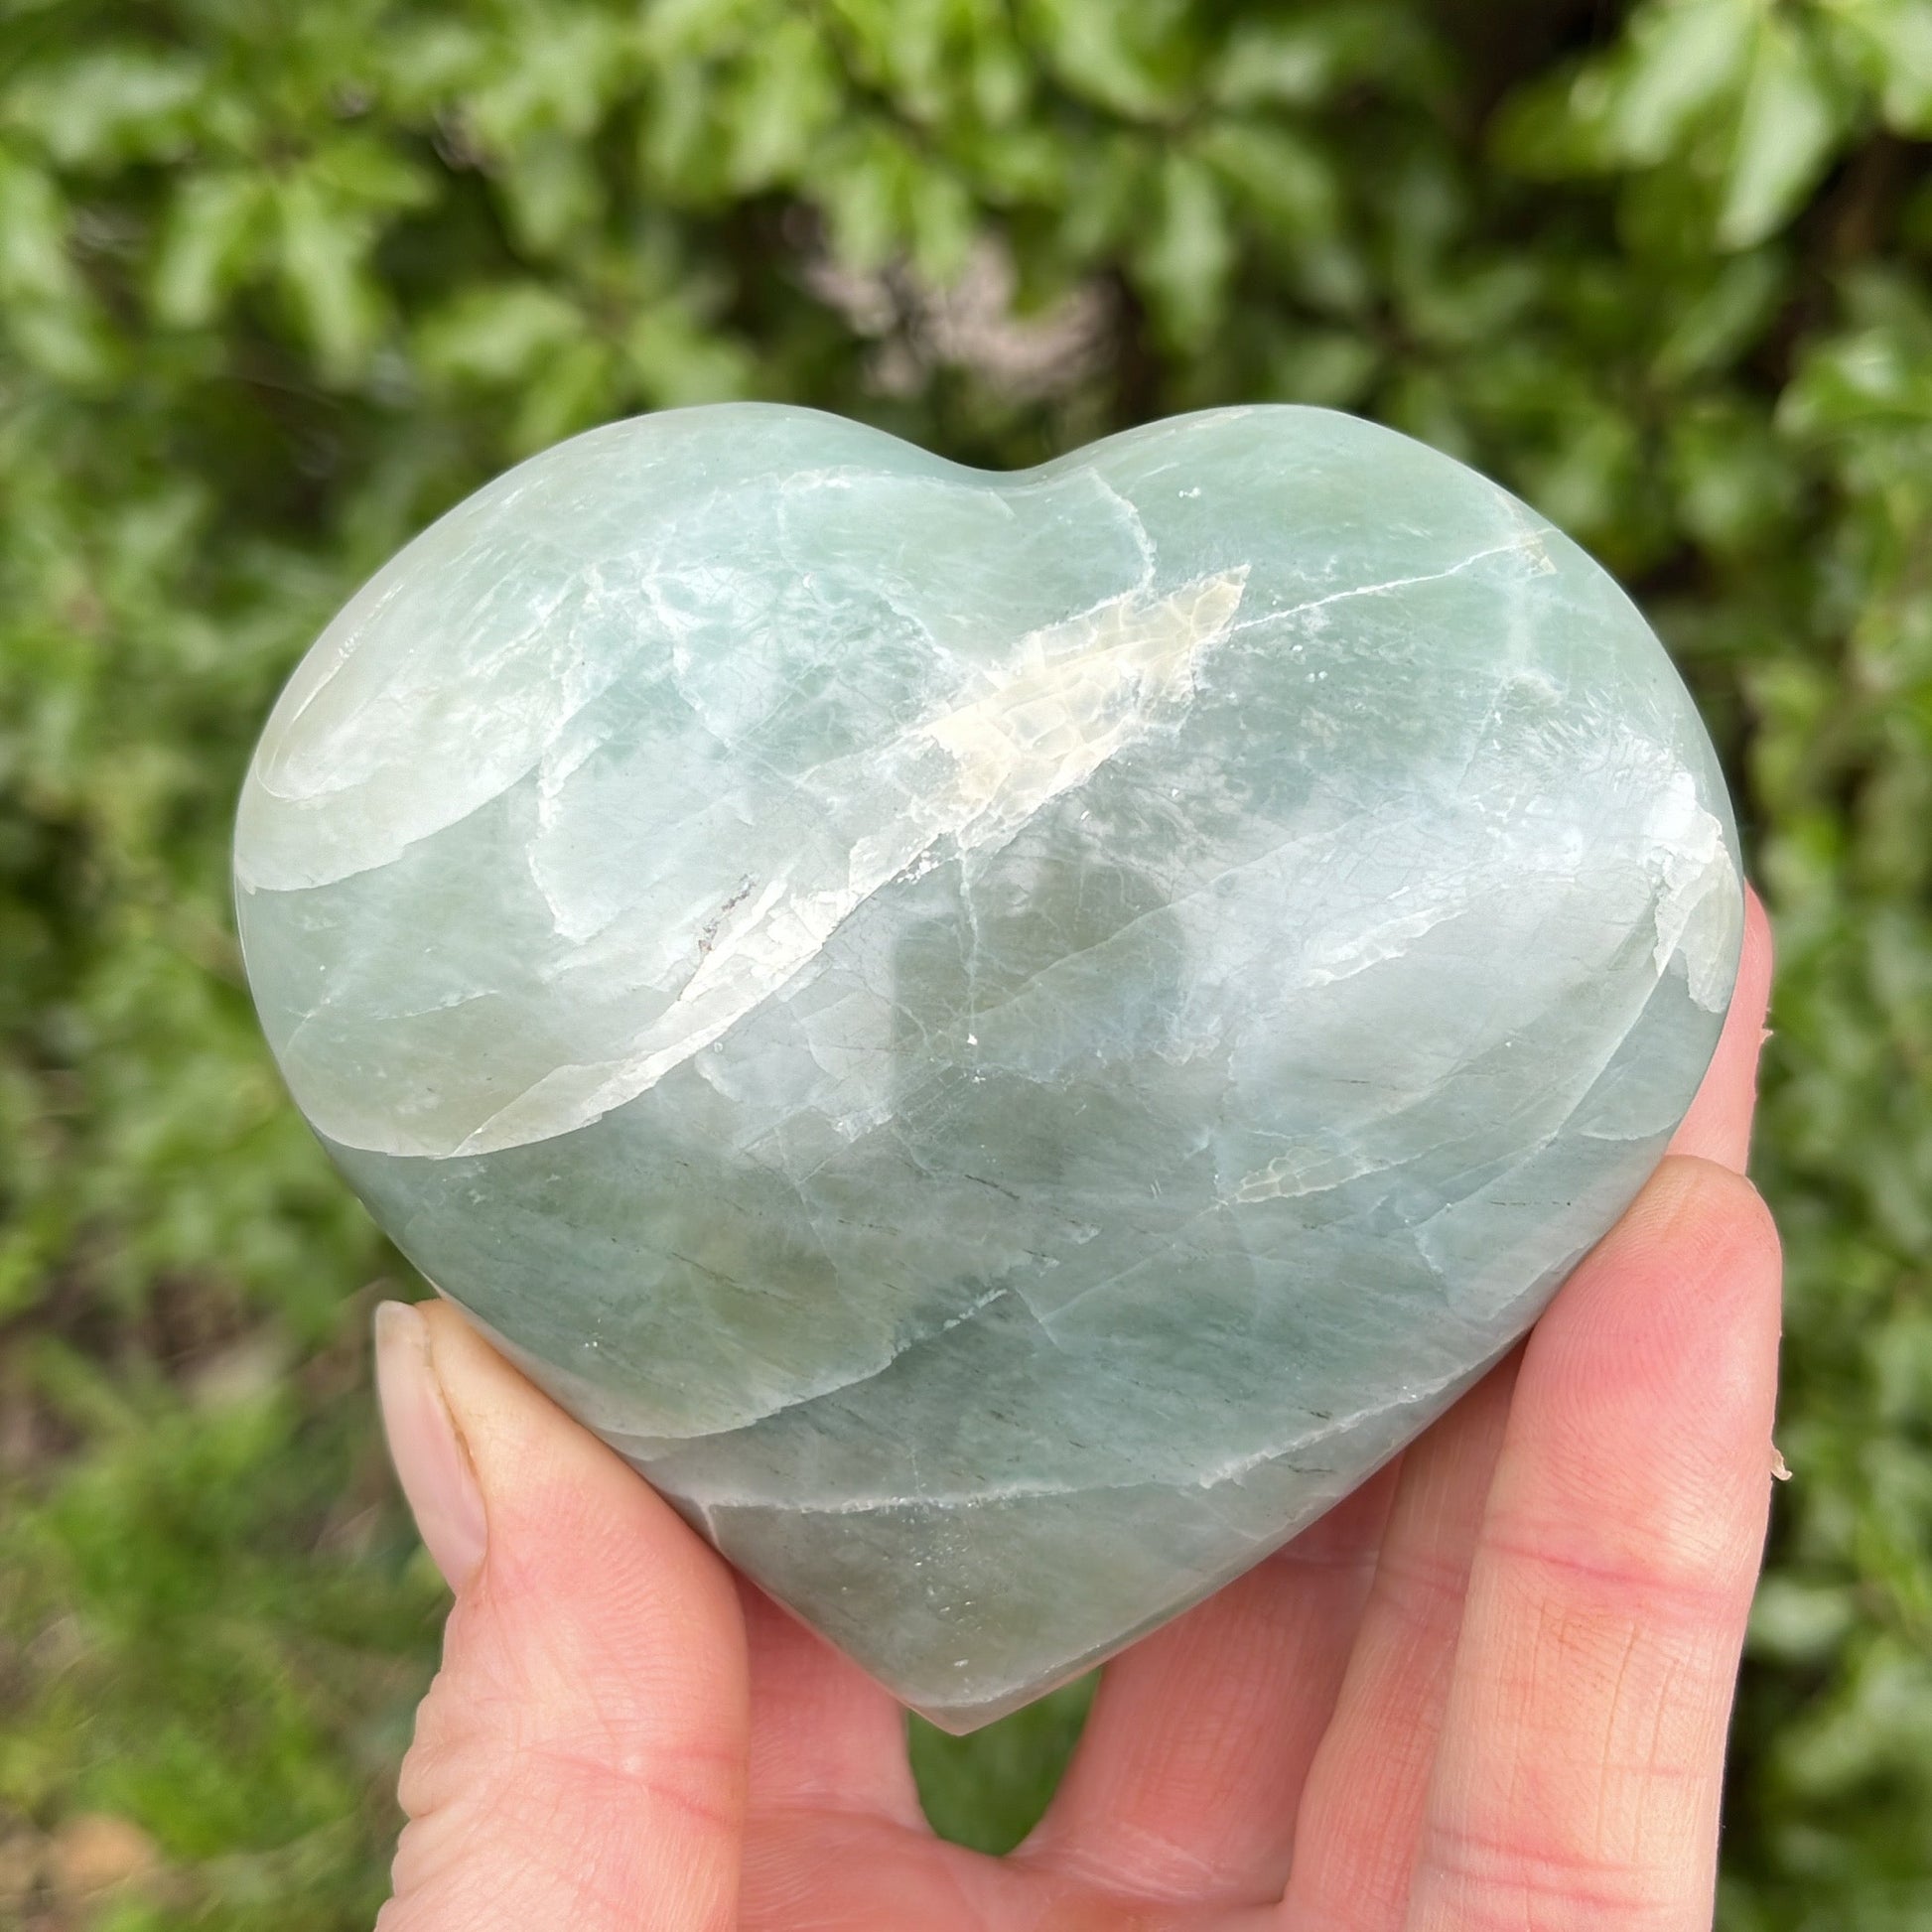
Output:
[[1005, 1038]]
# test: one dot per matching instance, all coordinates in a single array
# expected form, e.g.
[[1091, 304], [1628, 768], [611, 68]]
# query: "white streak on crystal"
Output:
[[1528, 543], [1386, 940], [1323, 1428], [1077, 694], [1132, 515], [1301, 1170], [1074, 695], [1693, 862], [870, 1370]]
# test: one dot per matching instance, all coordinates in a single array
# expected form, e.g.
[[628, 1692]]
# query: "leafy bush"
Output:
[[279, 284]]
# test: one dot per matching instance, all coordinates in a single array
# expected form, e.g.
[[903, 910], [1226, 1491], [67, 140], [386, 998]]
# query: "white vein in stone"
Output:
[[1698, 889], [1073, 695], [1232, 1469]]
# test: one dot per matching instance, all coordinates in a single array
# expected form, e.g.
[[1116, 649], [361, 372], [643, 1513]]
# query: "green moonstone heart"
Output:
[[1005, 1039]]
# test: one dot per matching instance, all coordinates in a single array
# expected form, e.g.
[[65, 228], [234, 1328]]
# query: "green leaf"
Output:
[[988, 1791], [1309, 57], [1555, 127], [1188, 252], [677, 144], [324, 250], [1685, 55], [46, 312], [901, 46], [1863, 380], [501, 336], [1795, 1621], [559, 69], [1283, 176], [424, 64], [1331, 368], [1786, 132], [860, 183], [783, 99], [575, 389], [1291, 63], [1895, 37], [34, 264], [357, 168], [1002, 81], [681, 30], [206, 245], [1640, 105], [1730, 476], [676, 360], [1711, 330], [943, 221], [552, 192], [116, 104], [1122, 57]]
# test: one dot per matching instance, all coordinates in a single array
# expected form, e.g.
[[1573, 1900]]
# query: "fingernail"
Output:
[[431, 1462]]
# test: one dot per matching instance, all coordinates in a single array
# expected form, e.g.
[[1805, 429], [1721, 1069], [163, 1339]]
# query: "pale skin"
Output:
[[1487, 1694]]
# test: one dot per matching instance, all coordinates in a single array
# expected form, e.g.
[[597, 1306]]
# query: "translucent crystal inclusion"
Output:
[[1005, 1038]]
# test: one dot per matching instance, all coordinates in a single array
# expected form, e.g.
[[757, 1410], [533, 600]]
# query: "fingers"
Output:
[[827, 1739], [580, 1757], [1202, 1739], [1719, 1126], [1578, 1779], [1363, 1804], [1185, 1779]]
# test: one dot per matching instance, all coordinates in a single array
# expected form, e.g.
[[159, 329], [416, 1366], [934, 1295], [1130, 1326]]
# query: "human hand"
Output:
[[1490, 1690]]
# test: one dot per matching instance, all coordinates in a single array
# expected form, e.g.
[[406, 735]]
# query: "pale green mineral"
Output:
[[1005, 1039]]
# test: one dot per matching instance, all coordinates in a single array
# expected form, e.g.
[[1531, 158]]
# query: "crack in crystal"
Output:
[[1529, 542], [1076, 694]]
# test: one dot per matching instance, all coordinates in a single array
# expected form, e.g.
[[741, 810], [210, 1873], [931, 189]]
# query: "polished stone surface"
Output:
[[1005, 1038]]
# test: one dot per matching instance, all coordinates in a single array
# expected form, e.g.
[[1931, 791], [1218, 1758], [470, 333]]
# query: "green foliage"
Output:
[[278, 284], [989, 1790]]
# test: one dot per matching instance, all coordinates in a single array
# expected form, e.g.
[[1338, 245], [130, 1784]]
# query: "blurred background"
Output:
[[279, 284]]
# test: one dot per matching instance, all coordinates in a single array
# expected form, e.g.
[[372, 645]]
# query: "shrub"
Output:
[[277, 285]]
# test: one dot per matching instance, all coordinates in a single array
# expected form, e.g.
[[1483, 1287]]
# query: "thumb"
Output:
[[580, 1760]]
